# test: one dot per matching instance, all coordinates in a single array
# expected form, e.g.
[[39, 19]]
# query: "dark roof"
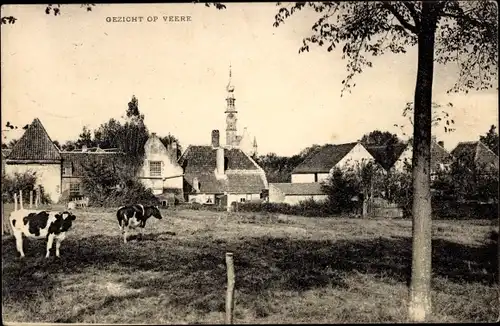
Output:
[[243, 174], [235, 183], [35, 145], [439, 155], [385, 155], [322, 160], [313, 188], [475, 151], [76, 160], [202, 159], [6, 152]]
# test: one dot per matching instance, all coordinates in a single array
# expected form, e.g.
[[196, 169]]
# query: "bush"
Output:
[[307, 208], [105, 186], [20, 181]]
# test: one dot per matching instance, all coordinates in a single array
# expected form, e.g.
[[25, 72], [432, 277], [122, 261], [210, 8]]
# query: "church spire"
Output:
[[231, 136]]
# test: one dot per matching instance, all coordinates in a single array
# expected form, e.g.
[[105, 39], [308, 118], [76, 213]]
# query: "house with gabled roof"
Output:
[[160, 171], [477, 153], [317, 166], [216, 174], [441, 159], [36, 153]]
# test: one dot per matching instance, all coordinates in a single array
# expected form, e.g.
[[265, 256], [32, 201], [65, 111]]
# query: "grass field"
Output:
[[288, 270]]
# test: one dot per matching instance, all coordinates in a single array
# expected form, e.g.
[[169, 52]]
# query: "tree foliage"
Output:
[[380, 138], [466, 34], [50, 9], [279, 168], [490, 139], [168, 140]]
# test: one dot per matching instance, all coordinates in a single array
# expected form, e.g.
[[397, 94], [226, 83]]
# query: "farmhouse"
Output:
[[35, 152], [215, 174], [317, 167], [294, 193], [477, 153], [160, 170], [440, 157]]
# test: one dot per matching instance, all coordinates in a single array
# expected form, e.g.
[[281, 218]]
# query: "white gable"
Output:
[[358, 154]]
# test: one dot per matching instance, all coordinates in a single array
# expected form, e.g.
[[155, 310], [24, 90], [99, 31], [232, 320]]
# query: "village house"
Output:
[[317, 166], [221, 175], [36, 153], [160, 171], [477, 153], [441, 159]]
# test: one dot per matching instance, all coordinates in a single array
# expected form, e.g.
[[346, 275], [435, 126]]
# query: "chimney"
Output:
[[215, 138], [433, 139], [441, 143], [196, 185], [220, 161], [153, 134], [173, 149], [84, 148]]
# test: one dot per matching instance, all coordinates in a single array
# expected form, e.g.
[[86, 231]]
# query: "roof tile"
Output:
[[35, 144]]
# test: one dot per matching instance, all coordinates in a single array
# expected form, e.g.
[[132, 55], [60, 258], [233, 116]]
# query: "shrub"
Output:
[[20, 181], [108, 186]]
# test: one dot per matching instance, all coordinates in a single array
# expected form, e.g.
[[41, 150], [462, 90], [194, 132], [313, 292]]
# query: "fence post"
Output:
[[21, 199], [31, 199], [37, 196], [230, 288]]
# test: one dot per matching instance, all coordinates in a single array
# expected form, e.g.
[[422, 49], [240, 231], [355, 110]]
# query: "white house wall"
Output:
[[303, 177], [323, 177], [358, 154], [405, 156], [48, 176]]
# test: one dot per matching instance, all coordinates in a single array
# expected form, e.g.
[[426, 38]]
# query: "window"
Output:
[[74, 190], [242, 200], [155, 169]]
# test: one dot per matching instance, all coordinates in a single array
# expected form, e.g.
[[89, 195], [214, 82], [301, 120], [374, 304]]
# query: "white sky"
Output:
[[77, 69]]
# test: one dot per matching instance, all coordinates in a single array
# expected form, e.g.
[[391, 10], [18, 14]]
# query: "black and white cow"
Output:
[[132, 216], [40, 224]]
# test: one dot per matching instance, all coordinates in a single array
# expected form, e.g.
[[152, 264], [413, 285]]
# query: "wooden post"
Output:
[[37, 196], [21, 199], [230, 288], [31, 199]]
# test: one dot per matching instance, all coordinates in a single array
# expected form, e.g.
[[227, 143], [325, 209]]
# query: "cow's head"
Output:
[[67, 216], [154, 211]]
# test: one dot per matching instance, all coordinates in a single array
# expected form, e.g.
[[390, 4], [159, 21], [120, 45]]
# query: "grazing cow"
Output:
[[40, 224], [132, 216]]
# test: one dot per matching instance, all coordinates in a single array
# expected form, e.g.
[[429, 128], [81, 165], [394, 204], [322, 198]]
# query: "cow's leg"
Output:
[[19, 243], [50, 242], [59, 239], [125, 233], [141, 231]]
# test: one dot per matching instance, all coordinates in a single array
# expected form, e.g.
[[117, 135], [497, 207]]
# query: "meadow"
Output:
[[288, 270]]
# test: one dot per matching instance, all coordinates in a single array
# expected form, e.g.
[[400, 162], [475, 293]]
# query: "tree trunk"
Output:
[[420, 289]]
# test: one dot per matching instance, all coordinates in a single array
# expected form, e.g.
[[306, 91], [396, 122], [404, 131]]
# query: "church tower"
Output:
[[231, 135]]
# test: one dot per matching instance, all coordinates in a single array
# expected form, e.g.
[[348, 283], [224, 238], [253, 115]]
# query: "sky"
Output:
[[77, 69]]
